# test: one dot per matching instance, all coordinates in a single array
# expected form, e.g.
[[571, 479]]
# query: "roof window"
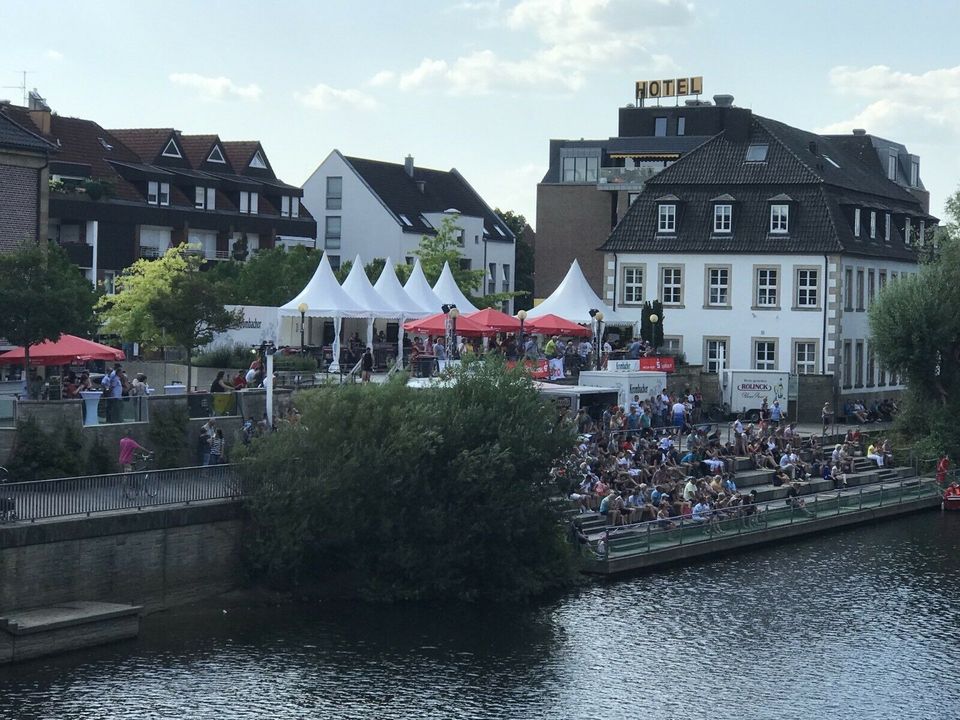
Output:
[[406, 220], [258, 161], [171, 150], [216, 156], [757, 153]]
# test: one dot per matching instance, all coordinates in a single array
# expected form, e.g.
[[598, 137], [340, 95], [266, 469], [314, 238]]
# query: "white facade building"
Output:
[[378, 210]]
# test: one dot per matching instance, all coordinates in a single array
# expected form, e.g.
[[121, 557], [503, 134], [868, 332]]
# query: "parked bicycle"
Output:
[[8, 505], [142, 480]]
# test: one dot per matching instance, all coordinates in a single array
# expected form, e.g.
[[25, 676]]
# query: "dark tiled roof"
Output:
[[442, 190], [13, 135], [241, 152], [148, 143], [197, 148], [797, 167], [654, 145]]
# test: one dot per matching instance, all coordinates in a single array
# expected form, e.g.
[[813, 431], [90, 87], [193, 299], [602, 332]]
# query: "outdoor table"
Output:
[[91, 402]]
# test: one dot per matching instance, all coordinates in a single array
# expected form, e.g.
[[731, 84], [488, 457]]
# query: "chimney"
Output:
[[723, 100], [859, 131], [812, 147], [408, 165], [422, 186], [39, 111]]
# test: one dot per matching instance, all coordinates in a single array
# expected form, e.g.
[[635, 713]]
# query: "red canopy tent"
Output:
[[436, 325], [555, 325], [494, 321], [68, 349]]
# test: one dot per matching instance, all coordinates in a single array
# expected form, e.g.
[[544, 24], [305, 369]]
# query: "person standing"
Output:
[[943, 467], [217, 448], [128, 447], [826, 415], [113, 389], [366, 365]]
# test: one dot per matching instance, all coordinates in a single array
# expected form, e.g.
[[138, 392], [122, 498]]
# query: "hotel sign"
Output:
[[669, 88]]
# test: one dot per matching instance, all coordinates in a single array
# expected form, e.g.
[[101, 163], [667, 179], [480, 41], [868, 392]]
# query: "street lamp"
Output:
[[521, 316], [454, 314], [302, 307], [654, 319], [598, 316]]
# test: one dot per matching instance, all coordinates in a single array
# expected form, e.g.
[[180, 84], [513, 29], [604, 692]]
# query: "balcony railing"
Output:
[[618, 178]]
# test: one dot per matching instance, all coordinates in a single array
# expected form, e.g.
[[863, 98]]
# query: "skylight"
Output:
[[757, 153], [406, 221]]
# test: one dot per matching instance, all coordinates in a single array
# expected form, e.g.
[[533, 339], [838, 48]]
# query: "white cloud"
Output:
[[54, 55], [216, 88], [384, 77], [570, 38], [324, 97]]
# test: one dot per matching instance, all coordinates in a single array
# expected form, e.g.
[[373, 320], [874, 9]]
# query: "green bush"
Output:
[[100, 460], [40, 455], [224, 356], [413, 494], [168, 434], [294, 362]]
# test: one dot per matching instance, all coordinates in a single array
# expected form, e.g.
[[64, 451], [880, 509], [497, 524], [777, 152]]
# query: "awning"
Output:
[[68, 349]]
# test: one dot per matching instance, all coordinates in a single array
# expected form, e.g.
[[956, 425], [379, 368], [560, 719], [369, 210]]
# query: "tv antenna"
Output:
[[22, 87]]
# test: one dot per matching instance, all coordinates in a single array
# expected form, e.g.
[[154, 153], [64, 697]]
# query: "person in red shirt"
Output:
[[952, 491], [943, 466], [128, 447]]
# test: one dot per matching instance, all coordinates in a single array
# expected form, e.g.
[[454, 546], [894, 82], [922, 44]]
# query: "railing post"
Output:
[[648, 537], [881, 495], [861, 499], [681, 531]]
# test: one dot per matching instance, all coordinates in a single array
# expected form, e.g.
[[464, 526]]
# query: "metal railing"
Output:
[[652, 535], [65, 497]]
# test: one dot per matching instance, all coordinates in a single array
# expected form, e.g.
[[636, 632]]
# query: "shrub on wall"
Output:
[[39, 455], [168, 434]]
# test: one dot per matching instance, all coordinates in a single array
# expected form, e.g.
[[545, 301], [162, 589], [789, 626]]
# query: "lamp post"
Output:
[[599, 318], [454, 314], [302, 307], [654, 319], [522, 316]]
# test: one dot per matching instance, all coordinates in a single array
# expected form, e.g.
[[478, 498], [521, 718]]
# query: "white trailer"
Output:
[[744, 391], [644, 383]]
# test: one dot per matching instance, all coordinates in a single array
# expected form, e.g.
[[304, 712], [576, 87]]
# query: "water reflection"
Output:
[[856, 624]]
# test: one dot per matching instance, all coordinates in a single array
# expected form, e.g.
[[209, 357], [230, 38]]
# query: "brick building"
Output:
[[24, 159]]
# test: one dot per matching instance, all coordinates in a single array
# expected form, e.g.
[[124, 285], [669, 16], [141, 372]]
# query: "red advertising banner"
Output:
[[663, 364], [539, 369]]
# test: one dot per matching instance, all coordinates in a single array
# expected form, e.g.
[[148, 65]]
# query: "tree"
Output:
[[523, 262], [445, 247], [42, 296], [652, 332], [190, 313], [271, 277], [414, 494]]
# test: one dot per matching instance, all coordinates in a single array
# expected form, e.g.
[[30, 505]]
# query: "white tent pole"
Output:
[[403, 319], [335, 362], [369, 332]]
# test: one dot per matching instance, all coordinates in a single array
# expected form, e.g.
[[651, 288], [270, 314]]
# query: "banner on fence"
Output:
[[660, 364]]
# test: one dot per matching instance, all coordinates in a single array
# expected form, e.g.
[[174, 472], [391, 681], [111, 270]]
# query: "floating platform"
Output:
[[37, 632]]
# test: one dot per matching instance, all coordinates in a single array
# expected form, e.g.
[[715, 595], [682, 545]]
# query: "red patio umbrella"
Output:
[[68, 349], [436, 325], [494, 320], [555, 325]]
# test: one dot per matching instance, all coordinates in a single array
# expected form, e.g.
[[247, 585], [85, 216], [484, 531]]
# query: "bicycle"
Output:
[[8, 505], [141, 480]]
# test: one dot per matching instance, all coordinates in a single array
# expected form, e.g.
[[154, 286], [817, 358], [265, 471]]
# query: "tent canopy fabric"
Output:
[[68, 349], [419, 289], [324, 297], [494, 320], [358, 287], [555, 325], [573, 299], [437, 325], [450, 293], [390, 289]]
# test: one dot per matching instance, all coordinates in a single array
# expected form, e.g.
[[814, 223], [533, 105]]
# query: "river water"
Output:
[[857, 624]]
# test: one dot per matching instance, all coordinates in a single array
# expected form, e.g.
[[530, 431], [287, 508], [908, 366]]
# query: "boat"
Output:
[[951, 497]]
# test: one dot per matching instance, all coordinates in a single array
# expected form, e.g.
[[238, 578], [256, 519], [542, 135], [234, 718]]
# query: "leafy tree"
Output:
[[190, 313], [523, 262], [445, 247], [42, 296], [271, 277], [414, 494], [652, 333]]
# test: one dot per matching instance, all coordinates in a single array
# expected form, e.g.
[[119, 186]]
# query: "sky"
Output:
[[483, 85]]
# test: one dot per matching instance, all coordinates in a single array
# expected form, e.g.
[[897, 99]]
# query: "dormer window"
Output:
[[722, 218], [757, 152], [886, 228], [914, 173], [258, 161], [216, 156], [249, 203], [171, 150], [906, 230], [892, 165], [856, 222], [667, 218], [289, 206], [158, 193], [873, 224], [205, 198], [779, 219]]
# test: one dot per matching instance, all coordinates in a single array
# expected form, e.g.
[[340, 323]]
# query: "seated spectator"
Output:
[[873, 454]]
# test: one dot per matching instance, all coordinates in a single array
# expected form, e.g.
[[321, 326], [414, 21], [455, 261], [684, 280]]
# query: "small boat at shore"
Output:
[[951, 502]]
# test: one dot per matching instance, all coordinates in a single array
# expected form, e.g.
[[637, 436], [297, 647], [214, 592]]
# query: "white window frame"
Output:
[[914, 173], [848, 289], [886, 227], [681, 125], [779, 219], [219, 159], [153, 192], [666, 218], [175, 153], [294, 206], [660, 123], [200, 197], [723, 218], [873, 224], [718, 292], [766, 283], [634, 277], [328, 237], [254, 203], [807, 283], [856, 222], [674, 286], [769, 348], [244, 202], [285, 206], [164, 193], [808, 365], [258, 161], [334, 199], [711, 353], [861, 284], [892, 166]]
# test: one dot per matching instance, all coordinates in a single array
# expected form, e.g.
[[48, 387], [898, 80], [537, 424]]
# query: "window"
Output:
[[633, 284], [290, 206], [258, 161], [882, 280], [491, 278], [408, 260], [873, 224], [856, 222], [722, 218], [158, 193], [671, 286], [581, 169], [672, 345], [764, 355], [858, 360], [757, 153], [334, 193], [779, 218], [254, 203], [766, 285], [859, 290], [886, 228], [848, 289], [906, 231], [681, 126], [660, 127], [334, 262], [914, 173], [716, 354], [405, 220], [505, 287], [200, 201], [466, 263], [892, 165], [922, 234], [804, 357], [871, 365], [871, 286], [847, 364], [244, 202], [109, 282], [294, 207], [249, 202], [171, 150], [331, 232], [216, 156], [718, 286], [807, 287], [285, 206], [667, 218], [631, 197], [460, 237]]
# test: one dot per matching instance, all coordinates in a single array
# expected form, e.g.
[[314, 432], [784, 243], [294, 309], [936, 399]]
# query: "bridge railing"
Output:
[[64, 497]]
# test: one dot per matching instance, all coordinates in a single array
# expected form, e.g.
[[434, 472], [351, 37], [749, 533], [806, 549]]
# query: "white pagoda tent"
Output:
[[419, 289], [358, 287], [390, 289], [449, 292], [574, 299], [324, 298]]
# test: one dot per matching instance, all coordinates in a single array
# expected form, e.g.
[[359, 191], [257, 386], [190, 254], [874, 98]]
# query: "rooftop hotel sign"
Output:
[[669, 88]]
